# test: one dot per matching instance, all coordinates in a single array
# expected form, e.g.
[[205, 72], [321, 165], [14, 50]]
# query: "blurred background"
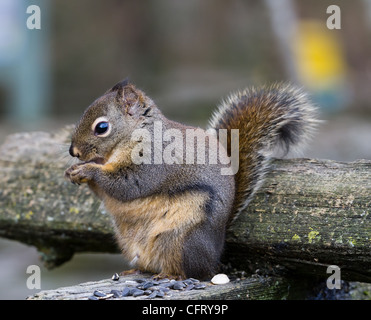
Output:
[[187, 56]]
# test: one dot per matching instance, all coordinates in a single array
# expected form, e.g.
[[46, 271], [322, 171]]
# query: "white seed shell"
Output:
[[220, 278]]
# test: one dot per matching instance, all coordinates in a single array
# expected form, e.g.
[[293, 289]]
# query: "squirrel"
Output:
[[170, 219]]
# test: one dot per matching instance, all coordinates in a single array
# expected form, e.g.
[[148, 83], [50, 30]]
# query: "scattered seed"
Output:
[[141, 280], [190, 287], [167, 284], [151, 288], [178, 285], [165, 289], [160, 294], [116, 293], [132, 290], [125, 292], [152, 295], [163, 280], [115, 277], [199, 286], [138, 292], [220, 278], [146, 285], [187, 282], [99, 294]]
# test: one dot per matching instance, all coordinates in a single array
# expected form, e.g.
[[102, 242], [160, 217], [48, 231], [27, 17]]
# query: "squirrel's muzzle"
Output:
[[74, 152]]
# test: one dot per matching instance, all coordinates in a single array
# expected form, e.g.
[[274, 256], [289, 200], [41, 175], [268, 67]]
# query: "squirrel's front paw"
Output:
[[79, 173]]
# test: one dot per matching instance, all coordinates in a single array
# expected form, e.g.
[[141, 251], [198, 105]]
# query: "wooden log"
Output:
[[253, 288], [39, 207], [308, 214]]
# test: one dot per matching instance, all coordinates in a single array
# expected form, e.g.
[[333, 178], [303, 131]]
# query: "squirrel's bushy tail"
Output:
[[267, 118]]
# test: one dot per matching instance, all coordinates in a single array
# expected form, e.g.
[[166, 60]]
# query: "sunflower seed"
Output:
[[187, 282], [131, 291], [145, 285], [125, 292], [116, 293], [163, 280], [152, 295], [138, 292], [164, 289], [140, 280], [190, 287], [199, 286], [220, 278], [99, 294], [178, 285], [166, 285], [115, 277], [160, 294]]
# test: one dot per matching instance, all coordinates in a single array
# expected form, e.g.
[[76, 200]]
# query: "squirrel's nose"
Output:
[[74, 152], [71, 151]]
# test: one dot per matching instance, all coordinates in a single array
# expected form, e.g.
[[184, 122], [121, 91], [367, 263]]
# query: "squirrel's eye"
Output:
[[101, 128]]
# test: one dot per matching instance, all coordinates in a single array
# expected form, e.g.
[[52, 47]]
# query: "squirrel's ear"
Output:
[[118, 87], [127, 96]]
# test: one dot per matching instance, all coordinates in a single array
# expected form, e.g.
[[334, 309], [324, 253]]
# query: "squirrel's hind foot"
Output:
[[130, 272], [161, 276]]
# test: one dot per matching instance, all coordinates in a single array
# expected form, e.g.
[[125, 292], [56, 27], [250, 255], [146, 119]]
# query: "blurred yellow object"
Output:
[[319, 55]]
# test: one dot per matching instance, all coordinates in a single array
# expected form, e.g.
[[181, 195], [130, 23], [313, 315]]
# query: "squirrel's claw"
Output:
[[77, 174]]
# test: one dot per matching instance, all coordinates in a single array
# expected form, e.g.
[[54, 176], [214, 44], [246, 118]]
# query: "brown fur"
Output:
[[151, 230], [267, 118]]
